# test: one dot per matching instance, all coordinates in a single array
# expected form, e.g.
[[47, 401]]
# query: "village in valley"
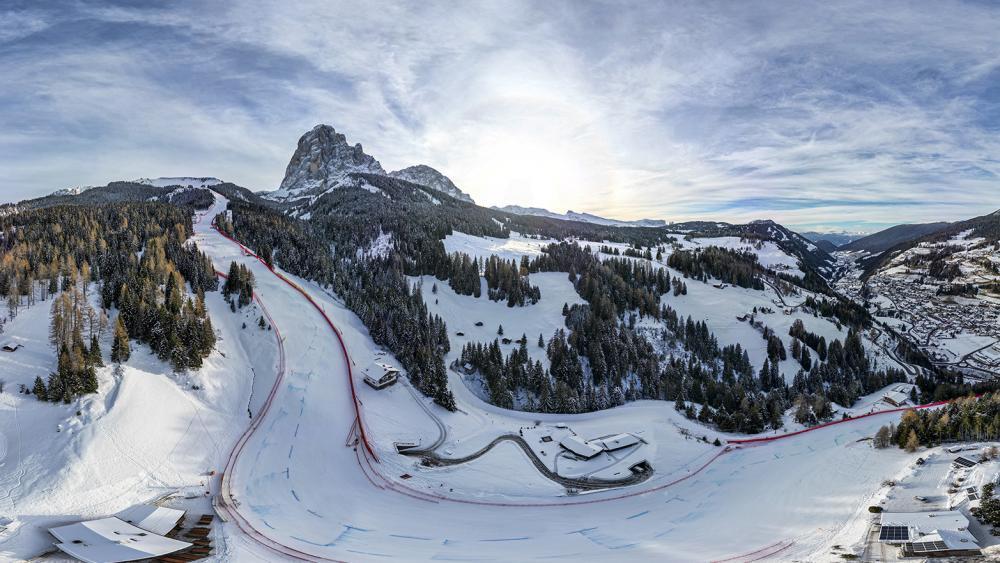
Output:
[[942, 297]]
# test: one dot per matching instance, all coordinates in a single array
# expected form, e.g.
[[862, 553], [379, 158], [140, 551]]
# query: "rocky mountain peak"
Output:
[[321, 160], [427, 176]]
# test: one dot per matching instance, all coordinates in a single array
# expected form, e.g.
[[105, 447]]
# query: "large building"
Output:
[[928, 534], [110, 540]]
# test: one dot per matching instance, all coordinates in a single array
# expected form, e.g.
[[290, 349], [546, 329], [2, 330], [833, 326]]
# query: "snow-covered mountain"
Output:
[[584, 217], [324, 160], [427, 176]]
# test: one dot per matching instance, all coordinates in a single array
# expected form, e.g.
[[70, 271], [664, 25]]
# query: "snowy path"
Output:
[[298, 485]]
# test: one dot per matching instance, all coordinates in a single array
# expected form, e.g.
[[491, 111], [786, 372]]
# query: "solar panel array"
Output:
[[973, 495], [928, 546], [964, 462], [894, 533]]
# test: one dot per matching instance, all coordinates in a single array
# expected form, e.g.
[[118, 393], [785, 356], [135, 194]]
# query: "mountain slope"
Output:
[[888, 238]]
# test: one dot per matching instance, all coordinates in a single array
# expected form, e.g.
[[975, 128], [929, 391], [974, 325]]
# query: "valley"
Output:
[[571, 389]]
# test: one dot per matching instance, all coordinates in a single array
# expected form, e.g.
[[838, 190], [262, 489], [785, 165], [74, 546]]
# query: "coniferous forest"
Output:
[[93, 260]]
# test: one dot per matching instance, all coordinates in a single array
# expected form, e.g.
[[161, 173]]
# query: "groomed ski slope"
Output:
[[299, 485]]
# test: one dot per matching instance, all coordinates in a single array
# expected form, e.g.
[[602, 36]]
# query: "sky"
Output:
[[820, 115]]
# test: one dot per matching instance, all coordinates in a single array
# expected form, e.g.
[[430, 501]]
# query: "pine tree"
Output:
[[120, 351], [94, 354], [39, 389]]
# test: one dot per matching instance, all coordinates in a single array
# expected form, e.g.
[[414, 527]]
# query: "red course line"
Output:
[[350, 374], [225, 486], [833, 423]]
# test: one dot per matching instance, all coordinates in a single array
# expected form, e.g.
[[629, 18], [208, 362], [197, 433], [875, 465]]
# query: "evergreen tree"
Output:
[[120, 350], [39, 389]]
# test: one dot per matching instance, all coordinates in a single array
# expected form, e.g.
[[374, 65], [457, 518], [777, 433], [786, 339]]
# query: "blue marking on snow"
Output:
[[290, 448], [297, 430], [522, 538], [287, 473], [643, 513], [370, 553], [267, 524], [409, 537], [661, 534], [296, 495], [303, 540], [605, 540], [347, 532], [314, 513], [581, 531]]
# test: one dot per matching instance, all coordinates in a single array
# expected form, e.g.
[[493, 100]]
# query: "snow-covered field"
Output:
[[719, 308]]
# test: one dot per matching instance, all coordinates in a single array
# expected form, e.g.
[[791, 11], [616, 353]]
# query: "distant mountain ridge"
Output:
[[836, 239], [584, 217]]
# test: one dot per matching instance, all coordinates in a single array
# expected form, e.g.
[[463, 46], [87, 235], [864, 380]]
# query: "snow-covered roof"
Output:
[[926, 521], [619, 441], [110, 540], [156, 519], [944, 540], [897, 397], [581, 448], [921, 525]]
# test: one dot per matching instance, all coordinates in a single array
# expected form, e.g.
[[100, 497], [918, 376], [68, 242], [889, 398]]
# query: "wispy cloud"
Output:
[[834, 114]]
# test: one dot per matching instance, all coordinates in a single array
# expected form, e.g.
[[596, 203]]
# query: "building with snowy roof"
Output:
[[111, 540], [617, 442], [899, 395], [928, 534], [578, 446], [157, 519]]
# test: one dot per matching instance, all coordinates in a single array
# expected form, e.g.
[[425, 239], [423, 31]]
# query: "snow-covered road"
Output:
[[301, 486]]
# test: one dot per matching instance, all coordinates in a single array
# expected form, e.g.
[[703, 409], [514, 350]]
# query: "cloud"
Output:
[[839, 114]]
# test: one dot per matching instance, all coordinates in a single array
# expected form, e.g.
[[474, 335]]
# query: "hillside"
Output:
[[941, 291], [893, 236]]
